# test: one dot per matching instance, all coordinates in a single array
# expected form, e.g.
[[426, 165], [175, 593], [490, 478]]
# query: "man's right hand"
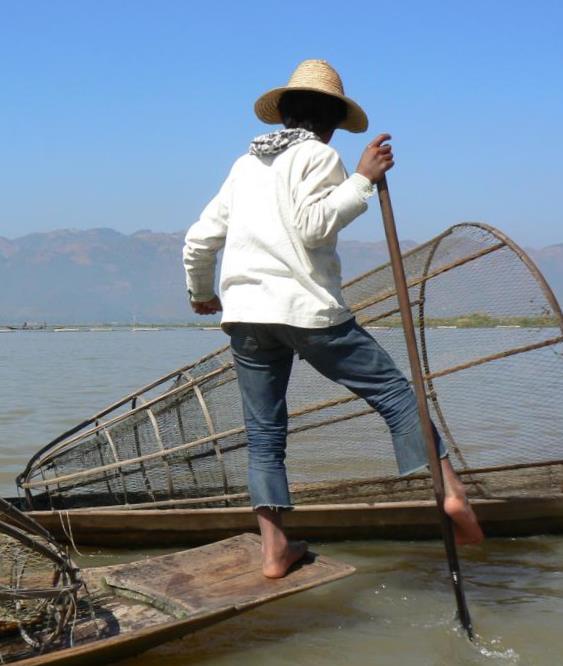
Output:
[[207, 307], [376, 159]]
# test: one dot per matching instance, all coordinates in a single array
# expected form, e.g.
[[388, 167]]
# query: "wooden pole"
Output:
[[418, 383]]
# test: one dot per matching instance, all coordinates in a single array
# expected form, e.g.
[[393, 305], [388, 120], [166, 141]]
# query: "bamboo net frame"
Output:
[[180, 441], [39, 587]]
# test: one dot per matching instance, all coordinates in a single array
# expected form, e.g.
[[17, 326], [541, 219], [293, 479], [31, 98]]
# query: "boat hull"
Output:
[[521, 516]]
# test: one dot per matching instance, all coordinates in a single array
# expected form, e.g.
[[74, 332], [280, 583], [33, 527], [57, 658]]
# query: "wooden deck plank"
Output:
[[217, 576]]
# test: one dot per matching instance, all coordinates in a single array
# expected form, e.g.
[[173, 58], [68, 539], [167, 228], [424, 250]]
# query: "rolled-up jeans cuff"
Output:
[[268, 488], [411, 452], [273, 507]]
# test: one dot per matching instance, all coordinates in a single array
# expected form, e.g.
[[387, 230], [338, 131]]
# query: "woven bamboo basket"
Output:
[[39, 587]]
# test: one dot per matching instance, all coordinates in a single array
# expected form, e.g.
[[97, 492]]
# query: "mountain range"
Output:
[[103, 276]]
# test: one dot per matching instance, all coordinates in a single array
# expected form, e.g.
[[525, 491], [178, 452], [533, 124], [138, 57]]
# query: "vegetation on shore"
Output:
[[478, 320]]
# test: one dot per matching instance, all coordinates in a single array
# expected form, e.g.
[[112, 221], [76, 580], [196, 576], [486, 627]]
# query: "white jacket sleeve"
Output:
[[203, 241], [326, 199]]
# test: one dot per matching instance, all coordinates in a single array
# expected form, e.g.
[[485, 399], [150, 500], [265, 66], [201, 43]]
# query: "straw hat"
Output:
[[314, 76]]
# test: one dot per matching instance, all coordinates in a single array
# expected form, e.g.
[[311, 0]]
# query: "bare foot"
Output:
[[276, 565], [466, 526]]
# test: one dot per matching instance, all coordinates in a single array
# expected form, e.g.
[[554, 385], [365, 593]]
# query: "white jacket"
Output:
[[277, 217]]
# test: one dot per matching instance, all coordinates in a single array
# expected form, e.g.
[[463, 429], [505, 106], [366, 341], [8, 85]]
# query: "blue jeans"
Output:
[[345, 353]]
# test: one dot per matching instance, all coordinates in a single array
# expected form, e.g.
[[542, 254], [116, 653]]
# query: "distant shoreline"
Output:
[[474, 320], [139, 326]]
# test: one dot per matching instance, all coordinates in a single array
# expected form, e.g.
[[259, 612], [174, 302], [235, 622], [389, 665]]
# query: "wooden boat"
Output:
[[175, 450], [53, 613], [27, 327], [384, 509], [520, 516], [135, 606]]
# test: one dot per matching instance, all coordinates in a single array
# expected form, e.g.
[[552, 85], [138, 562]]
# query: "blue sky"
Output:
[[128, 113]]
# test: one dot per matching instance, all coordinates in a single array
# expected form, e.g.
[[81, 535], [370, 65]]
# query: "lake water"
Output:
[[397, 609]]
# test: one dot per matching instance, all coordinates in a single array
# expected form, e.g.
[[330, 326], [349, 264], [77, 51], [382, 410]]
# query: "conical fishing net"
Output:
[[490, 338]]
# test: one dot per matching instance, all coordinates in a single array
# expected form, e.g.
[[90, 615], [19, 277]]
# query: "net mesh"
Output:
[[489, 332]]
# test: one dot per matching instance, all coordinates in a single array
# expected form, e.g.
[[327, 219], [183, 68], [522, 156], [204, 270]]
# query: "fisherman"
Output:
[[277, 216]]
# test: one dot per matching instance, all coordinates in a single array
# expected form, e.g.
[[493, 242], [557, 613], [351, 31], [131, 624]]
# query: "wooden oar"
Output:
[[418, 382]]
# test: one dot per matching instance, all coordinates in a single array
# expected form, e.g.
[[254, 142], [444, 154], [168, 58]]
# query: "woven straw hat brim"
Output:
[[266, 108]]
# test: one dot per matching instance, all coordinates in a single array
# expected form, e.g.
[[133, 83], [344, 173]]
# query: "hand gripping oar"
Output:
[[418, 382]]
